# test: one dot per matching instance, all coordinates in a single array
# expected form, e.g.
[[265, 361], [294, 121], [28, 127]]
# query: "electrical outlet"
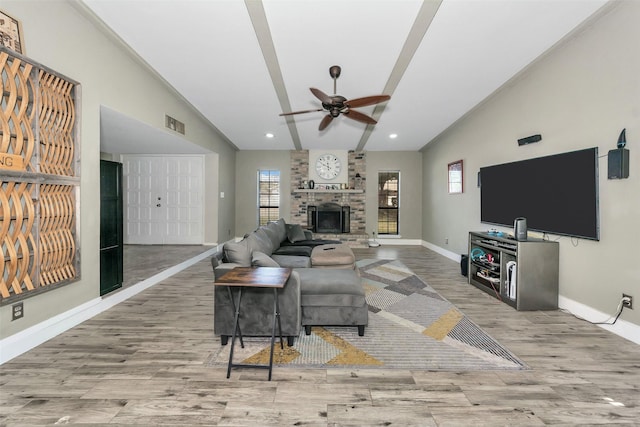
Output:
[[446, 240], [17, 311], [628, 303]]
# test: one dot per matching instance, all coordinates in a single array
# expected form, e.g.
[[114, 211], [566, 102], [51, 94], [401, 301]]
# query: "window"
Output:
[[388, 202], [268, 196]]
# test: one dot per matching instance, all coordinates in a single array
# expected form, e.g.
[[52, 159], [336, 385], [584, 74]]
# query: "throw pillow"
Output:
[[238, 253], [259, 241], [260, 259], [281, 228], [295, 233], [272, 232]]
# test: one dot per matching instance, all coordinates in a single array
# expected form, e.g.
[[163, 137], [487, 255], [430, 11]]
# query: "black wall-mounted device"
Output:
[[618, 163], [530, 139]]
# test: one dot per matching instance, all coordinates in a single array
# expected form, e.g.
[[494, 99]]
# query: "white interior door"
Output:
[[163, 199]]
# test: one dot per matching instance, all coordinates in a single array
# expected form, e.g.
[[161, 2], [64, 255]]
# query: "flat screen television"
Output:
[[557, 194]]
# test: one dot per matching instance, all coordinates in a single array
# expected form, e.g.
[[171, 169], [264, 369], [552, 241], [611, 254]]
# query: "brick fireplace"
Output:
[[304, 200]]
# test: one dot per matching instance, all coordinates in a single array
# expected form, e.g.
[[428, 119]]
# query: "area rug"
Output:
[[410, 327]]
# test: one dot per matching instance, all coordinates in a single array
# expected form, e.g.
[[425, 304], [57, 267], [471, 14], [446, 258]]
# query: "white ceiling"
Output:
[[241, 63]]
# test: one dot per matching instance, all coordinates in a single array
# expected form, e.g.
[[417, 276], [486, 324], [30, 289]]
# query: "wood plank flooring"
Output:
[[142, 363]]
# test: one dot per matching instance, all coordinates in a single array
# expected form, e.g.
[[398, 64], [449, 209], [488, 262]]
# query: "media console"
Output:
[[523, 274]]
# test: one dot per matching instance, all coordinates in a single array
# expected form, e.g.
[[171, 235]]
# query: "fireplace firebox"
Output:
[[329, 218]]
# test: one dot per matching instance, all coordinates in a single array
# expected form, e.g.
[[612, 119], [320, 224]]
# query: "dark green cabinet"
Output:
[[111, 227]]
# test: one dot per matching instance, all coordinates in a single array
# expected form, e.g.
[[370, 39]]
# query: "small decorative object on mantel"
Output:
[[11, 33], [312, 184]]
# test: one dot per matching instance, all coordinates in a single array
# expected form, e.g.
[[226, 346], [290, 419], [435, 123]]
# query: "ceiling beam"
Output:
[[263, 33], [418, 30]]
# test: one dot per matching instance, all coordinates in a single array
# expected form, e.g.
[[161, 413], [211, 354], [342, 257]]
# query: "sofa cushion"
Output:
[[281, 228], [292, 261], [293, 250], [238, 253], [260, 259], [311, 243], [271, 230], [330, 288], [259, 241], [295, 233]]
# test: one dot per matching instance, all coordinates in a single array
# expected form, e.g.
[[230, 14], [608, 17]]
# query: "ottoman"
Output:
[[333, 256], [332, 297]]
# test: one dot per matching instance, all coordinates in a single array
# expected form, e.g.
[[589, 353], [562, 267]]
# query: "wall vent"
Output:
[[174, 124]]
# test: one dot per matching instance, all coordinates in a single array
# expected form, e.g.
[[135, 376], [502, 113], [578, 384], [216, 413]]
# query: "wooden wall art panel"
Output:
[[56, 118], [16, 122], [39, 179], [17, 218]]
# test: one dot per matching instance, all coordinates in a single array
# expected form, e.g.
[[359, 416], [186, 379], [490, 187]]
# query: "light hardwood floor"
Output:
[[142, 363]]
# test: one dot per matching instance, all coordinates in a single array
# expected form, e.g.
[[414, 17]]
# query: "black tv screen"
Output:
[[556, 194]]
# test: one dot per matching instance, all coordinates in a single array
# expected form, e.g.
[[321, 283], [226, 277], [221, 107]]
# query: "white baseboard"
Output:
[[622, 328], [386, 241], [444, 252], [23, 341]]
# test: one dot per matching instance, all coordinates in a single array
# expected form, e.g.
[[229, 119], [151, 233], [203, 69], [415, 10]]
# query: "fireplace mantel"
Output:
[[307, 190]]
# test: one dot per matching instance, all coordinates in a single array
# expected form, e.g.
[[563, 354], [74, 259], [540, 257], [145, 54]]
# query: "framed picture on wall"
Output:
[[11, 35], [454, 177]]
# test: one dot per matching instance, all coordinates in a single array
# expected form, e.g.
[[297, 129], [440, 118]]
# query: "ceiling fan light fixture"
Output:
[[337, 104]]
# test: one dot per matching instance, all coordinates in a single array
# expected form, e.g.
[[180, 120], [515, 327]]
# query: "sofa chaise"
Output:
[[311, 297]]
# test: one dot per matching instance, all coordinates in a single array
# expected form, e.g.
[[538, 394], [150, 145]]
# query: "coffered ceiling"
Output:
[[242, 63]]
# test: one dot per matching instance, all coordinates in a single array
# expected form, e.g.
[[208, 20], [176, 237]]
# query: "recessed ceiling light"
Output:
[[269, 135], [393, 135]]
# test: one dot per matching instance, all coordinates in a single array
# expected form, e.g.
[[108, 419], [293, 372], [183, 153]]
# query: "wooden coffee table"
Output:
[[254, 277]]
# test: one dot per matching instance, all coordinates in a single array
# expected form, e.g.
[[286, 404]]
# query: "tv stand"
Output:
[[522, 274]]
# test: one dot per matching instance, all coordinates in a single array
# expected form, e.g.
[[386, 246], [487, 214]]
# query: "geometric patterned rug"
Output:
[[410, 327]]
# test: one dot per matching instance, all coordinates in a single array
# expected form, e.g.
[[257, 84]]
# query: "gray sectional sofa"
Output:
[[310, 297]]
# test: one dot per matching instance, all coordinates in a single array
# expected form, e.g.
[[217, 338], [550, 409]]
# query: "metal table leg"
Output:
[[276, 315], [236, 312], [236, 328]]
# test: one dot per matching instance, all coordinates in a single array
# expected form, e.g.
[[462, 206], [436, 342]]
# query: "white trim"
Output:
[[397, 241], [444, 252], [622, 328], [23, 341]]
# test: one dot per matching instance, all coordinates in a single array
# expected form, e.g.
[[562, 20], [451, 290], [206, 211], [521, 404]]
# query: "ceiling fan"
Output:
[[337, 104]]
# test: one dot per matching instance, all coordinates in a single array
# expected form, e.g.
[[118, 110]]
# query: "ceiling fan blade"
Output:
[[301, 112], [367, 100], [325, 122], [358, 116], [326, 99]]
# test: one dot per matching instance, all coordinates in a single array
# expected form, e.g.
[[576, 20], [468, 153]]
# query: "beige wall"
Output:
[[410, 167], [580, 95], [248, 163], [408, 163], [60, 36]]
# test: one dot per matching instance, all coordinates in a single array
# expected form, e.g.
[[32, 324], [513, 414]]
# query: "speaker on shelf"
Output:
[[618, 163], [530, 139], [520, 229]]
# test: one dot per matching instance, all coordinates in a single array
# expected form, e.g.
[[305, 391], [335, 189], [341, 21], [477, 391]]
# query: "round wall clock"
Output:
[[328, 166]]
